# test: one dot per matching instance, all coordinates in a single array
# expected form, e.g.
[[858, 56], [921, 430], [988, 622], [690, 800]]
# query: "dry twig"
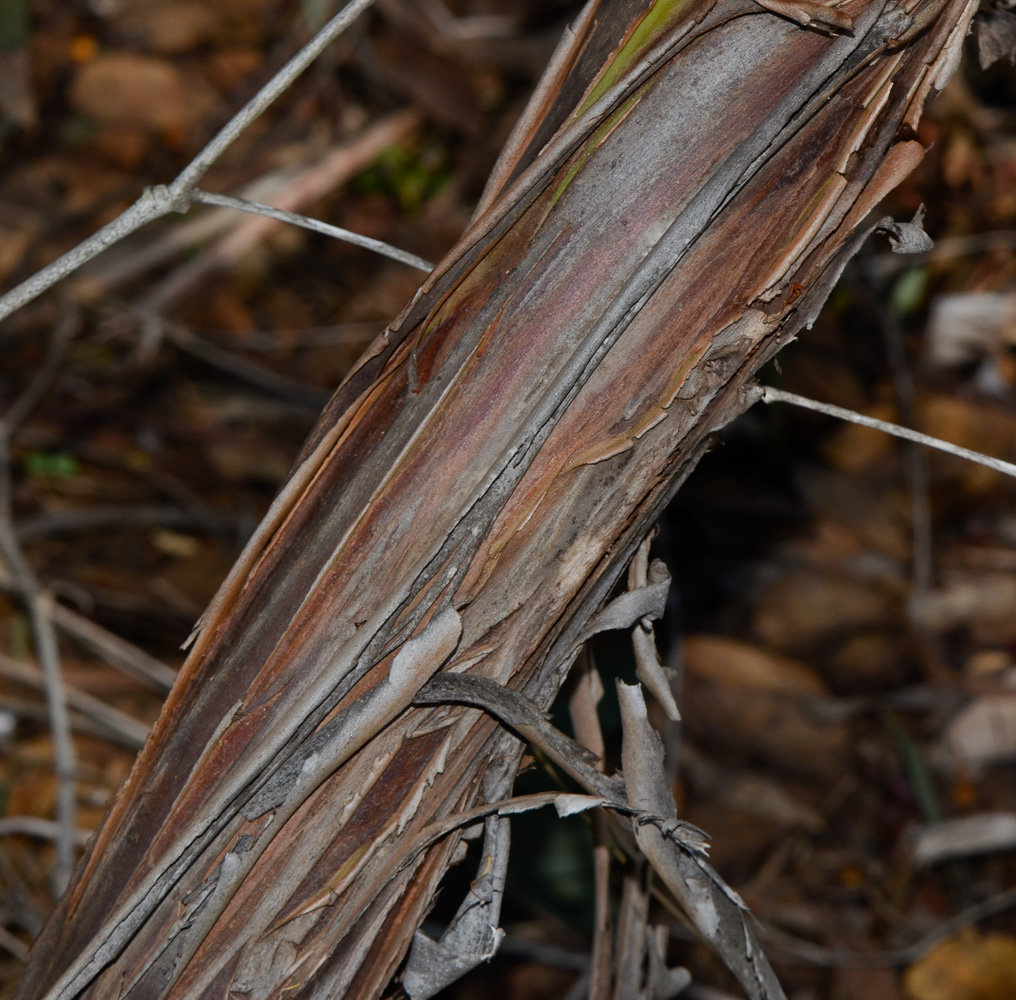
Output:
[[905, 433], [124, 728], [179, 195], [39, 604]]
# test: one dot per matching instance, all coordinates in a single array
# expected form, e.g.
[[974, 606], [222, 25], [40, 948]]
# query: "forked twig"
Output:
[[155, 202], [292, 193]]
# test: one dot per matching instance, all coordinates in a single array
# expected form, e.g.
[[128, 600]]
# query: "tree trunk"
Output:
[[681, 195]]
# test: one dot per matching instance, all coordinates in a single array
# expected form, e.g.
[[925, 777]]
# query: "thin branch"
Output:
[[916, 471], [586, 725], [34, 711], [294, 218], [253, 109], [264, 342], [48, 523], [250, 372], [160, 200], [11, 944], [38, 604], [154, 203], [155, 476], [43, 377], [116, 651], [126, 729], [35, 826], [779, 396], [292, 188], [794, 949]]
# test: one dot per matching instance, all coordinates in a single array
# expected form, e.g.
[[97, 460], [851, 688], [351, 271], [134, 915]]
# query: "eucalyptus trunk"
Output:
[[676, 204]]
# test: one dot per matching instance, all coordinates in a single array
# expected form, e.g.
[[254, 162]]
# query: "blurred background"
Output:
[[843, 624]]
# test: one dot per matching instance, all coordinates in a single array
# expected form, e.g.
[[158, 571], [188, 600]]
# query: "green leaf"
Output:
[[909, 291], [51, 465]]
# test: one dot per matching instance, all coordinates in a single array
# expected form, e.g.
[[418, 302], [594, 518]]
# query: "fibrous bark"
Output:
[[675, 206]]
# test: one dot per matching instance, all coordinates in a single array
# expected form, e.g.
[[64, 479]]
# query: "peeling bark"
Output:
[[675, 206]]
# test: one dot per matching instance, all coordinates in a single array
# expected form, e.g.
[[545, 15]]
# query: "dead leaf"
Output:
[[769, 800], [771, 726], [981, 734], [124, 146], [981, 425], [249, 8], [988, 663], [869, 660], [229, 68], [127, 89], [967, 967], [982, 602], [963, 836], [996, 37], [171, 26], [969, 326], [874, 512], [738, 664], [804, 606]]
